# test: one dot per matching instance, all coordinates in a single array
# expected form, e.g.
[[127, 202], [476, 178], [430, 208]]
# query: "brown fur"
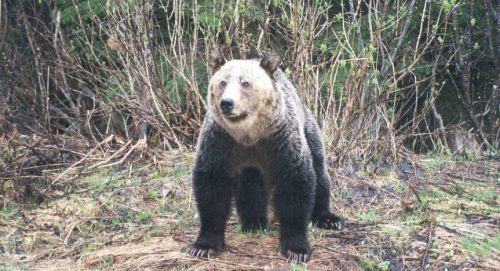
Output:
[[259, 101]]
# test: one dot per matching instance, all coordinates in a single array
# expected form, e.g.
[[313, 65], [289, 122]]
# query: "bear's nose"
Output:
[[226, 105]]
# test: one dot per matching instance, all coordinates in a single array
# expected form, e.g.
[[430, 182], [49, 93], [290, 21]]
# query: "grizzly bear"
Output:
[[261, 145]]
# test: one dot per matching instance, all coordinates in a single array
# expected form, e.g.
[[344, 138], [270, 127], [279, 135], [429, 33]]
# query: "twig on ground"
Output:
[[430, 241], [109, 138]]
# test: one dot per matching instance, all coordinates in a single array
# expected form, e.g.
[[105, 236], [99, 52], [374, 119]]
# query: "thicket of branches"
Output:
[[378, 75]]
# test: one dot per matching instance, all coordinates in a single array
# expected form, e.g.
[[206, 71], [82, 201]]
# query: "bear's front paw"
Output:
[[298, 252], [328, 221], [207, 246], [202, 251]]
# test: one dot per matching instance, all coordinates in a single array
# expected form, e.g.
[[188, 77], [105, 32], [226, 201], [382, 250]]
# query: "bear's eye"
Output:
[[245, 84], [223, 83]]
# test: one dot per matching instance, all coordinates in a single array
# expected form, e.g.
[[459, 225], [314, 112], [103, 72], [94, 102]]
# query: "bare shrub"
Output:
[[371, 71]]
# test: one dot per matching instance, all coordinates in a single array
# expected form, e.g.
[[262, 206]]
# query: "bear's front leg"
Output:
[[212, 190], [213, 201], [294, 201], [213, 197]]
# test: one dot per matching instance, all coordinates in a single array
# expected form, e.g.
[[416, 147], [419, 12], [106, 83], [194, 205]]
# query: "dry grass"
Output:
[[436, 213]]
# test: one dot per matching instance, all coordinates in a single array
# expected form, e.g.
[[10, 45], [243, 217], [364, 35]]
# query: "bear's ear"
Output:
[[270, 63], [216, 59]]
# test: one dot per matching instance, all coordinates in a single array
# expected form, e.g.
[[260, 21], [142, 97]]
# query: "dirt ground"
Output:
[[424, 213]]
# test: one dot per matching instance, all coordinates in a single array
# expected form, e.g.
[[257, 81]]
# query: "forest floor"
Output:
[[426, 213]]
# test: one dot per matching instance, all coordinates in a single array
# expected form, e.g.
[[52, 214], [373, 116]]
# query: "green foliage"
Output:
[[480, 246], [384, 265], [7, 267], [72, 12], [369, 216], [153, 193], [142, 216], [106, 262], [369, 264], [447, 5], [399, 187], [490, 195], [298, 267], [434, 161]]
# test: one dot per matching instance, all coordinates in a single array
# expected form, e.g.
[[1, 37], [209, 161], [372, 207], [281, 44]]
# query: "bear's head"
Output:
[[242, 96]]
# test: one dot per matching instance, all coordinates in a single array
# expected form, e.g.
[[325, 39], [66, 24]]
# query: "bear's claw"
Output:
[[296, 257], [329, 221], [201, 252]]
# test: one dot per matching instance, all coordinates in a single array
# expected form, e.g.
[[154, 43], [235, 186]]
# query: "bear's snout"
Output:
[[226, 105]]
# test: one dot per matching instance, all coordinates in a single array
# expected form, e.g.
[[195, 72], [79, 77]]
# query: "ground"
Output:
[[424, 213]]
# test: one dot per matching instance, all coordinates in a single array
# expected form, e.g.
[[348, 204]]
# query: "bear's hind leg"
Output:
[[321, 217], [251, 201]]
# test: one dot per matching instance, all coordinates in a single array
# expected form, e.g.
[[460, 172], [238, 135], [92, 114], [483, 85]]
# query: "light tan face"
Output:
[[242, 98]]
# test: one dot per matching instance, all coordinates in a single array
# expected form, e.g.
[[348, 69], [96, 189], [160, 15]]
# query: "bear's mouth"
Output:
[[236, 117]]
